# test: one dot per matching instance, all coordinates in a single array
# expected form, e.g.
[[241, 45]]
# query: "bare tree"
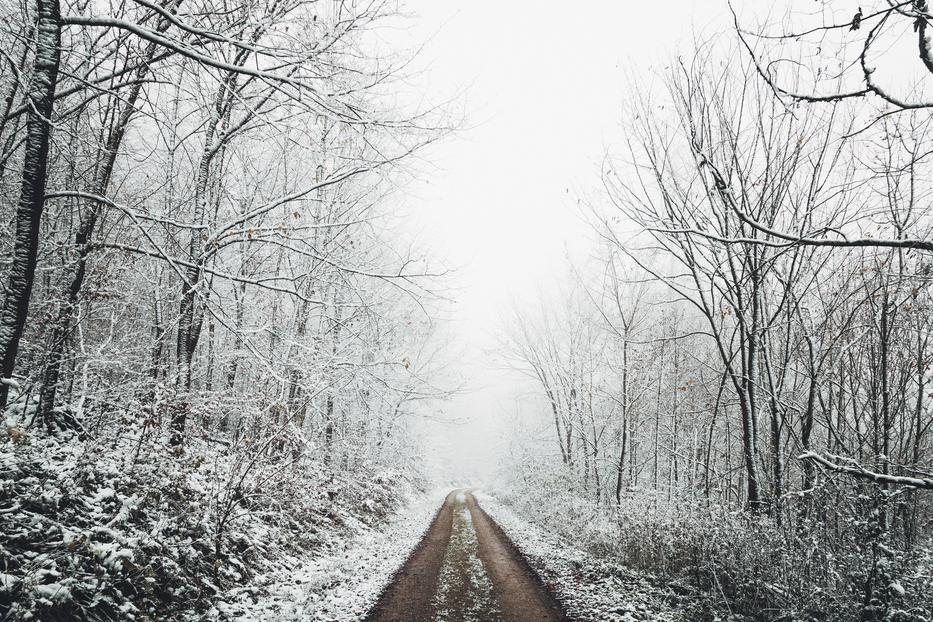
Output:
[[40, 96]]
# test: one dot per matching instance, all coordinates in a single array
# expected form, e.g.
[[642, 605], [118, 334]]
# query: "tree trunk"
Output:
[[68, 311], [621, 466], [190, 315], [656, 468], [239, 294], [32, 193], [100, 187]]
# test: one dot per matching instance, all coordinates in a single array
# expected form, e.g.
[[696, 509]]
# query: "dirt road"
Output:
[[465, 570]]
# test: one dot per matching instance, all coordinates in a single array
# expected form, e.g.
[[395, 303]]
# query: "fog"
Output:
[[546, 84]]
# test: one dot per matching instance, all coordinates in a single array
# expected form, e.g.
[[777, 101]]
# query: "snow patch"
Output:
[[343, 584]]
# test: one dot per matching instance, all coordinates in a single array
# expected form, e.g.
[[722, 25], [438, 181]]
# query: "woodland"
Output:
[[208, 303], [218, 335], [738, 381]]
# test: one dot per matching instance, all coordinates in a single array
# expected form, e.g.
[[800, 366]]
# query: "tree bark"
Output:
[[32, 193], [624, 441], [190, 315]]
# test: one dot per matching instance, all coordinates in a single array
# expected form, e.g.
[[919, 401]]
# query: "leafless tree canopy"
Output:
[[220, 341], [202, 256], [752, 335]]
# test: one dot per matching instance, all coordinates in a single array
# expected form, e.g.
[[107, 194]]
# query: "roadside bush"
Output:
[[841, 568], [95, 530]]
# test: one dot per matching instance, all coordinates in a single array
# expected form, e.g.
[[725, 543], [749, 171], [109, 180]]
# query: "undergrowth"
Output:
[[97, 530], [742, 566]]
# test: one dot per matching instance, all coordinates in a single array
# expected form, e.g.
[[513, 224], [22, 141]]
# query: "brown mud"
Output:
[[465, 569]]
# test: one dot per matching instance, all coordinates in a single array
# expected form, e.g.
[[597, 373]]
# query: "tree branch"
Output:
[[860, 472]]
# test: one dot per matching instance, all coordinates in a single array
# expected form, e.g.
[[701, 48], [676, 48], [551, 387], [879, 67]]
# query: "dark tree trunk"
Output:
[[624, 440], [67, 313], [190, 315], [32, 194], [239, 294], [191, 309]]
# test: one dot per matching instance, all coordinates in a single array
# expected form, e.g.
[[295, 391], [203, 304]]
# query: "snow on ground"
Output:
[[342, 584], [591, 590], [95, 529]]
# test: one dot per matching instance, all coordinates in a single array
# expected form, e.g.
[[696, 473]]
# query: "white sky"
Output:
[[544, 85]]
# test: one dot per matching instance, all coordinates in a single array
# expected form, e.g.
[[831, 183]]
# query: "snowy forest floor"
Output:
[[342, 584], [110, 528]]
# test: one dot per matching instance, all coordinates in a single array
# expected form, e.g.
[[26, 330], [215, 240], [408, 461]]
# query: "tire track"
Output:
[[465, 569]]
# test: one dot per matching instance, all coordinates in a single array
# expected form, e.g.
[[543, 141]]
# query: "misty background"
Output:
[[545, 89]]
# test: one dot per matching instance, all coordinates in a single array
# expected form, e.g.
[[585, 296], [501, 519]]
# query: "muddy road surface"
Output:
[[465, 570]]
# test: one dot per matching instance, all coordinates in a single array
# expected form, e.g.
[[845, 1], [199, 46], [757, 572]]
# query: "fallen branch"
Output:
[[856, 470]]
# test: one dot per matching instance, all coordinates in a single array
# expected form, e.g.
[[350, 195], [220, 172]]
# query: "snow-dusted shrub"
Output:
[[97, 530], [801, 569]]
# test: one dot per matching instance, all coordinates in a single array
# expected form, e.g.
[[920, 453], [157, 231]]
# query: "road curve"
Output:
[[465, 569]]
